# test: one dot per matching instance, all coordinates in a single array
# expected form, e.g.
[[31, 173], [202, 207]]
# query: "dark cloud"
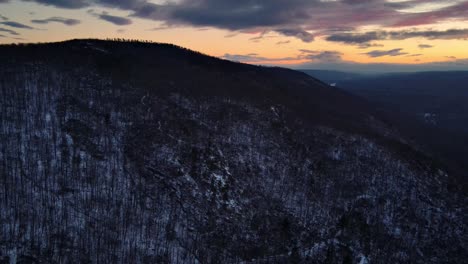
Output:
[[283, 42], [293, 18], [298, 33], [254, 58], [231, 35], [381, 53], [369, 45], [307, 51], [65, 21], [413, 55], [425, 46], [358, 2], [3, 17], [458, 11], [316, 56], [361, 38], [233, 15], [159, 28], [325, 56], [15, 24], [123, 4], [72, 4], [11, 32], [296, 18], [430, 34], [116, 20], [263, 35], [352, 38]]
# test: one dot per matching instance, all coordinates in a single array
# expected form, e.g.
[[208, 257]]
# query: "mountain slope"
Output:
[[129, 152], [330, 76], [430, 106]]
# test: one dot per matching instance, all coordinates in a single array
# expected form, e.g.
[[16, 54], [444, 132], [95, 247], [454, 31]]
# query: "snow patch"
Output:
[[336, 154], [219, 179], [363, 259]]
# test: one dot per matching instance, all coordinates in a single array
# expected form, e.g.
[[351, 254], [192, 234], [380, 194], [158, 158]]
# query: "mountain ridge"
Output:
[[134, 152]]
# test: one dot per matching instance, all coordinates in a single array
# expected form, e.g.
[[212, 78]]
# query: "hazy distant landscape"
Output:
[[430, 106]]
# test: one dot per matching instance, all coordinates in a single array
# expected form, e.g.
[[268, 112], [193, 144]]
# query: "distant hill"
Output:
[[437, 101], [330, 76], [136, 152]]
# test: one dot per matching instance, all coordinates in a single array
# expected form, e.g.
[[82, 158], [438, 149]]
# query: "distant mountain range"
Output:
[[136, 152], [432, 107], [330, 76]]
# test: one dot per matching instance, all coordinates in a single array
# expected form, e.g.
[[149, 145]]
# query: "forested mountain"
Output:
[[131, 152]]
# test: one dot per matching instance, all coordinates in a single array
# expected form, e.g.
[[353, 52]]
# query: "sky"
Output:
[[349, 35]]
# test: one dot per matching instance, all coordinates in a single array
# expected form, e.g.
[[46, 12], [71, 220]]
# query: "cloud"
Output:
[[291, 18], [283, 42], [352, 38], [72, 4], [12, 32], [260, 37], [65, 21], [159, 28], [369, 45], [255, 58], [3, 17], [332, 60], [15, 24], [425, 46], [316, 56], [361, 38], [294, 18], [298, 33], [231, 35], [325, 56], [116, 20], [322, 56], [381, 53], [455, 10], [452, 65]]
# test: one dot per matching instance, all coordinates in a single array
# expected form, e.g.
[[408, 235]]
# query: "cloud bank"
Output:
[[302, 19], [62, 20]]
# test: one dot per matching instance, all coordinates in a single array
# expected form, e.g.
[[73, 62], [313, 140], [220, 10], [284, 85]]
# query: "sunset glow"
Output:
[[299, 34]]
